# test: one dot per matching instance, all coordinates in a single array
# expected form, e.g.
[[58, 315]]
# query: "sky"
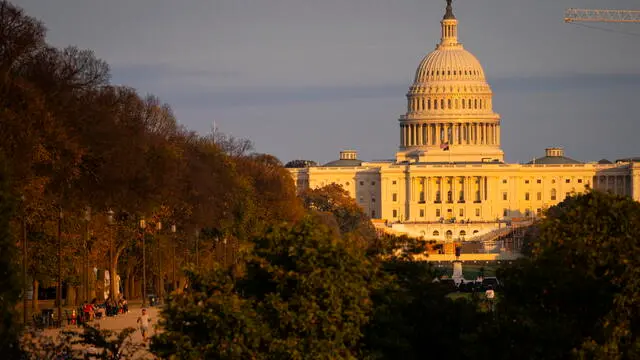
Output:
[[304, 79]]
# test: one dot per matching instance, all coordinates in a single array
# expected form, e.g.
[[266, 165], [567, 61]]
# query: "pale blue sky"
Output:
[[306, 78]]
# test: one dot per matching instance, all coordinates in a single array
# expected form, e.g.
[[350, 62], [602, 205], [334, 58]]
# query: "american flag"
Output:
[[444, 146]]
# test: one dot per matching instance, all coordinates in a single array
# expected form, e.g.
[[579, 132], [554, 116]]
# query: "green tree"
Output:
[[303, 294], [578, 295]]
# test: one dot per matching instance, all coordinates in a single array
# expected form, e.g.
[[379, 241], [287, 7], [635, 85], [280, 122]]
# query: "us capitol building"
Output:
[[449, 180]]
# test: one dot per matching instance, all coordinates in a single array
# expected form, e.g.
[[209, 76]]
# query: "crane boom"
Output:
[[597, 15]]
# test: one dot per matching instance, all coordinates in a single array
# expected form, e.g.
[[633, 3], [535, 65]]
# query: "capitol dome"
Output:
[[452, 63], [450, 114]]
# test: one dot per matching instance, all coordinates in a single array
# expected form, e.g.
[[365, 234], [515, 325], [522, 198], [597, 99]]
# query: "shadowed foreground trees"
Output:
[[302, 293], [578, 296]]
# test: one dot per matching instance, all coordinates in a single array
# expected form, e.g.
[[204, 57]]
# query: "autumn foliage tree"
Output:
[[75, 142]]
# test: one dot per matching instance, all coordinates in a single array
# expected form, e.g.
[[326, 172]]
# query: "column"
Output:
[[406, 135], [425, 134], [401, 135], [497, 134], [454, 179], [412, 135]]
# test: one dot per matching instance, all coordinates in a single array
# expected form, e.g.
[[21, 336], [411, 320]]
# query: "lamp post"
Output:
[[59, 285], [173, 265], [112, 278], [143, 226], [159, 252], [85, 268], [197, 255], [24, 264]]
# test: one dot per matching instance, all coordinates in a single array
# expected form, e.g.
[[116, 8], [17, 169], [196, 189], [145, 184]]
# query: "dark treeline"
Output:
[[272, 275]]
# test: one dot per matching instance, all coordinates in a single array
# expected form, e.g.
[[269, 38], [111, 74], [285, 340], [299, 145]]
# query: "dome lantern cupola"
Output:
[[449, 27]]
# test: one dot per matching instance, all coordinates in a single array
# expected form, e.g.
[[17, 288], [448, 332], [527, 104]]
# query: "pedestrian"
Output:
[[144, 321]]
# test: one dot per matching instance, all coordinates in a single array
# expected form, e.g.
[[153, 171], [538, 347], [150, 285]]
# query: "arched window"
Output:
[[475, 103], [463, 104], [449, 104], [436, 233], [475, 231], [441, 103], [429, 104], [435, 104], [469, 104], [456, 104], [463, 233], [449, 234], [449, 196]]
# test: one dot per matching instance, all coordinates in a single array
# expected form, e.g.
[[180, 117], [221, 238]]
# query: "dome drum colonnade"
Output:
[[450, 103]]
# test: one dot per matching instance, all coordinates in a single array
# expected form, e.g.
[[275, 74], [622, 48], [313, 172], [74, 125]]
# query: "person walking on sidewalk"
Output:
[[144, 323]]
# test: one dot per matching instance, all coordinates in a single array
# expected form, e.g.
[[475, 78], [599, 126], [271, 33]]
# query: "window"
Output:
[[373, 214], [505, 196], [394, 182], [463, 233], [436, 233], [505, 212], [361, 183], [579, 181], [347, 183], [421, 212], [437, 213], [553, 194], [526, 181], [449, 234], [539, 196], [538, 212], [394, 197], [527, 213], [373, 199], [477, 212], [395, 213], [373, 183], [361, 199], [461, 212], [553, 181], [504, 181], [437, 196], [568, 181], [539, 181], [449, 196], [526, 196]]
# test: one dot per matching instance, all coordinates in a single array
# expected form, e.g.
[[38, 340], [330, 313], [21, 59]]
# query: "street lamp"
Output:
[[59, 285], [143, 226], [85, 268], [197, 255], [112, 278], [173, 266], [160, 282], [24, 262]]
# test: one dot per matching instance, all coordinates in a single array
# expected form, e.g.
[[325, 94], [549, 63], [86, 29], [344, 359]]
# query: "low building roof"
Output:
[[343, 162], [554, 160]]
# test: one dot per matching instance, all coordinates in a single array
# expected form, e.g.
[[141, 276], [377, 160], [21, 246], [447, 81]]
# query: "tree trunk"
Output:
[[132, 286], [70, 298], [34, 299]]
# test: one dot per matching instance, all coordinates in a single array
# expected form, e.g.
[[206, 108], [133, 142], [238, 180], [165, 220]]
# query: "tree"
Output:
[[303, 293], [333, 199], [300, 164], [579, 293], [9, 285]]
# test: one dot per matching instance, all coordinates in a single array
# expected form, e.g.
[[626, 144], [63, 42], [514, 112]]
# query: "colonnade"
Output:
[[617, 184], [449, 189], [420, 104], [420, 134]]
